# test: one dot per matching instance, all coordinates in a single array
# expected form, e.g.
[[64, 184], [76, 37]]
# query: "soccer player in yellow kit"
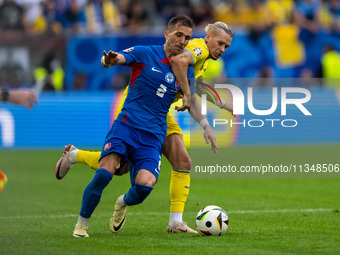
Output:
[[198, 51]]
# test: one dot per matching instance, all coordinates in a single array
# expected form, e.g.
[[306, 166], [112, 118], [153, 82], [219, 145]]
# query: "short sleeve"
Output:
[[134, 54]]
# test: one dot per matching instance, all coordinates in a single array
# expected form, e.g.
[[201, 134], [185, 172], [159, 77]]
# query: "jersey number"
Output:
[[161, 91]]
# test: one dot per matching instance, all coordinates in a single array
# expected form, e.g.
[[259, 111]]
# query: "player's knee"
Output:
[[184, 163], [111, 162], [144, 177]]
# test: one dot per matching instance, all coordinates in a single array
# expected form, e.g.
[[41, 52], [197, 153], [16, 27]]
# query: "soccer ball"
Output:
[[212, 221]]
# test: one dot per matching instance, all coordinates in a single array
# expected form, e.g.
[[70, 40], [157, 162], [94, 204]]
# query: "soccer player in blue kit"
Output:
[[139, 131]]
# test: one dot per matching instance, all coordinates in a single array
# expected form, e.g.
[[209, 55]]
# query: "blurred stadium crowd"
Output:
[[136, 16], [63, 18]]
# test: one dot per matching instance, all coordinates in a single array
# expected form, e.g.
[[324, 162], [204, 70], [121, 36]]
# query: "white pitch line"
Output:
[[311, 210], [19, 217], [283, 211]]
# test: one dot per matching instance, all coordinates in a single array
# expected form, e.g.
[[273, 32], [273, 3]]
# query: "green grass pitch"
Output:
[[267, 216]]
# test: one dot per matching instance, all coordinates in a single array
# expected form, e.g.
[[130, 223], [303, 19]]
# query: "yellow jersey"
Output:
[[199, 52]]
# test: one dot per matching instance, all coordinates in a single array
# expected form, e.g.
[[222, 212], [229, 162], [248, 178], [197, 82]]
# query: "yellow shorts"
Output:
[[173, 127]]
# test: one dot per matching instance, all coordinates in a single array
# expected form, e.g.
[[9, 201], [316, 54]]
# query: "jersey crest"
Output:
[[169, 77]]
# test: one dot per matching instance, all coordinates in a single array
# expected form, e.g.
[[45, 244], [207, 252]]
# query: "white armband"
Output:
[[204, 122], [103, 62]]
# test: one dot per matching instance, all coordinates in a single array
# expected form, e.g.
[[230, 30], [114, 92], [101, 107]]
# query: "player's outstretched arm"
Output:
[[195, 112], [112, 59], [201, 88], [23, 97], [179, 64]]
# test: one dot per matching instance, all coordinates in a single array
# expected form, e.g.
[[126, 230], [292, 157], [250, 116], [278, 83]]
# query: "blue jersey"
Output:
[[153, 88]]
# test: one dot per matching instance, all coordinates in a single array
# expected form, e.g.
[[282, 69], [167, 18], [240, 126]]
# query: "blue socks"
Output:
[[93, 192], [136, 194]]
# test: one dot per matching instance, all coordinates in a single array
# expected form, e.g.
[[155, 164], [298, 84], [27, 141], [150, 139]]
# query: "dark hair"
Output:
[[181, 20]]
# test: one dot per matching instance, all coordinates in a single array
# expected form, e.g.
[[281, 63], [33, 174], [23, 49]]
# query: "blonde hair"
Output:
[[217, 26]]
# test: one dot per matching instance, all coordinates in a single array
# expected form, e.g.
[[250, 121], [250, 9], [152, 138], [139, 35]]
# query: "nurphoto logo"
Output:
[[239, 105]]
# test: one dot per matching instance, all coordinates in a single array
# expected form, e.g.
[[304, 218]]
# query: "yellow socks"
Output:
[[179, 189], [90, 158]]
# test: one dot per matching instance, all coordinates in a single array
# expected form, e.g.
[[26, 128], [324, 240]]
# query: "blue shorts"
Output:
[[141, 148]]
